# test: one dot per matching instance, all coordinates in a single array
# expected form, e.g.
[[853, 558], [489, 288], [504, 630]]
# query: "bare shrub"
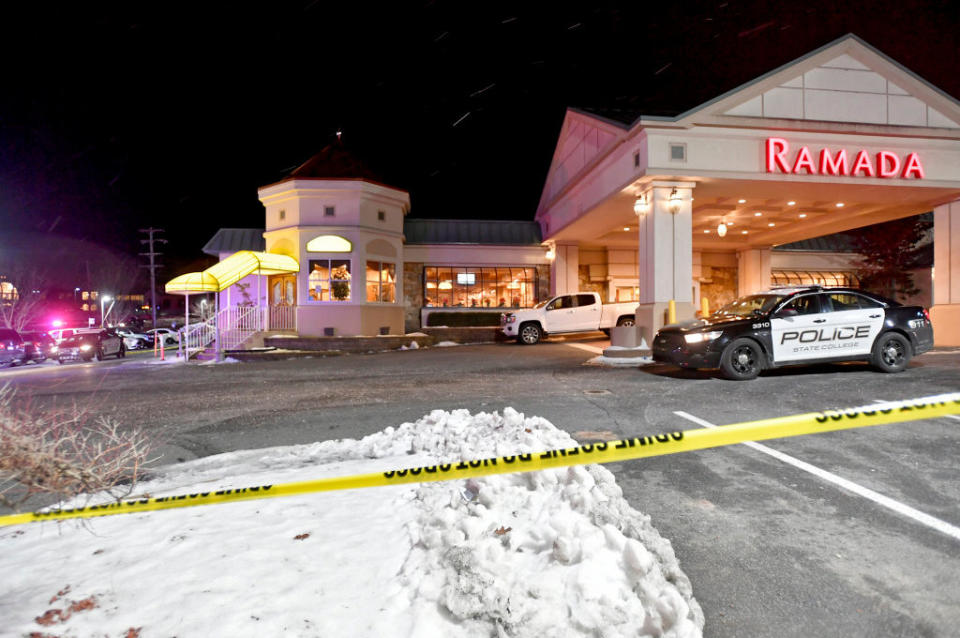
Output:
[[64, 455]]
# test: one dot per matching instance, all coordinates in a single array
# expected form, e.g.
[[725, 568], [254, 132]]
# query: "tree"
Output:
[[889, 251], [22, 302]]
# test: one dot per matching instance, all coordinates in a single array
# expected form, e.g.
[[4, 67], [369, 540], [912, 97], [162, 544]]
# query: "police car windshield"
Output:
[[747, 306]]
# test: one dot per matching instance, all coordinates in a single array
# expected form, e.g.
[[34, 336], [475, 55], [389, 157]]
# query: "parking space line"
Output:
[[885, 501], [584, 346]]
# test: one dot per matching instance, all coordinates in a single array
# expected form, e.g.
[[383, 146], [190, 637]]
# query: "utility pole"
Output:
[[153, 266]]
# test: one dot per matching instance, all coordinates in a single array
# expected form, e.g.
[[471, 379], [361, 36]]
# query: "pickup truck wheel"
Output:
[[741, 360], [626, 321], [530, 334]]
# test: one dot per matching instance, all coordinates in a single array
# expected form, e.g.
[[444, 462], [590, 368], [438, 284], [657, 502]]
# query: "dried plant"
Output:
[[64, 455]]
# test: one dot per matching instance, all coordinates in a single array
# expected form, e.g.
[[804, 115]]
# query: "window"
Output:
[[585, 300], [329, 280], [678, 152], [381, 216], [805, 305], [636, 159], [381, 282], [283, 214], [847, 301], [480, 287], [329, 211]]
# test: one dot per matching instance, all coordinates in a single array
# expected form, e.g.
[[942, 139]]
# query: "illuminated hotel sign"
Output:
[[885, 164]]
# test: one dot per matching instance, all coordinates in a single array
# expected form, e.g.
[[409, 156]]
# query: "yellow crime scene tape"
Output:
[[606, 452]]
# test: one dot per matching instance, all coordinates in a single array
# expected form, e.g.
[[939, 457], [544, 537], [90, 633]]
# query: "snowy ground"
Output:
[[553, 553]]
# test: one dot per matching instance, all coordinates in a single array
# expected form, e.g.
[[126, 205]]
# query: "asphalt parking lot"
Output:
[[772, 549]]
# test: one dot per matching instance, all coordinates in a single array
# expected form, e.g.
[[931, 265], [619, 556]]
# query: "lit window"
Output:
[[475, 287], [85, 295], [329, 244], [381, 282], [329, 279]]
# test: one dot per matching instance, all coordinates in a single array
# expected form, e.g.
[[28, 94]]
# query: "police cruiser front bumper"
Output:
[[671, 347]]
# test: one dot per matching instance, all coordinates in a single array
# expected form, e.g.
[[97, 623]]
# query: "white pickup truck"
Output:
[[578, 312]]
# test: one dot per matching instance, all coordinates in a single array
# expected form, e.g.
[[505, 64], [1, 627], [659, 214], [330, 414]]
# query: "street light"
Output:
[[75, 291]]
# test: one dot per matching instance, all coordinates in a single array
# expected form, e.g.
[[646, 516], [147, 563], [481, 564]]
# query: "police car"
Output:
[[788, 326]]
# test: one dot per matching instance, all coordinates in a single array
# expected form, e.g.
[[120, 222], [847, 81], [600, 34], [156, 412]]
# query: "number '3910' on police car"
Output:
[[789, 326]]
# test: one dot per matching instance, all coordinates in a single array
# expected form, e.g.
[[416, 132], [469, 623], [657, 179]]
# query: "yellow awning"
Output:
[[224, 274], [193, 282]]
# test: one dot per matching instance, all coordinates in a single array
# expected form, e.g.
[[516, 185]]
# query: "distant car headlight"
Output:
[[54, 349], [85, 347], [698, 337]]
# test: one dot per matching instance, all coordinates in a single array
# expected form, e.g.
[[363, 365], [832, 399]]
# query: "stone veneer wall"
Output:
[[599, 287], [412, 295], [718, 285]]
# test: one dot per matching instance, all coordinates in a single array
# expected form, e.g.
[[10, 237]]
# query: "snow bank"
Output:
[[551, 553]]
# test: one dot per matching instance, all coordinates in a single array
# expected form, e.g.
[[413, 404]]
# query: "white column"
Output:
[[665, 254], [945, 312], [753, 271], [565, 269]]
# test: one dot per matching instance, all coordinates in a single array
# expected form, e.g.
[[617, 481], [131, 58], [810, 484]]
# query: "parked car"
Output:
[[84, 346], [135, 340], [580, 312], [788, 326], [11, 348], [59, 334], [38, 347], [170, 337]]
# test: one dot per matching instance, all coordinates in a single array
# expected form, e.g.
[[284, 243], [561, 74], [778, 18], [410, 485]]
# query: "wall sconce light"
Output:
[[550, 254], [642, 205], [722, 229], [673, 203]]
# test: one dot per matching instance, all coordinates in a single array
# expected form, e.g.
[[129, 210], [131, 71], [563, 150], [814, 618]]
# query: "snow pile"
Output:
[[552, 553], [447, 344]]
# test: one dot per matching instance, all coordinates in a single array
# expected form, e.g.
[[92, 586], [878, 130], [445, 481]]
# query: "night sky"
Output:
[[118, 116]]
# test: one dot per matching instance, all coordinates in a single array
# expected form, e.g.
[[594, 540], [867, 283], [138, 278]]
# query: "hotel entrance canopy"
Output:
[[224, 274], [841, 138]]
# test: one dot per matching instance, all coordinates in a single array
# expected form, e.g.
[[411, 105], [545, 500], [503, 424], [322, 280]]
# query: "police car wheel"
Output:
[[530, 334], [742, 360], [891, 352]]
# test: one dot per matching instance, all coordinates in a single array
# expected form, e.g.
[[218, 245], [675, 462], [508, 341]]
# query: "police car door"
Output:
[[795, 329], [854, 322]]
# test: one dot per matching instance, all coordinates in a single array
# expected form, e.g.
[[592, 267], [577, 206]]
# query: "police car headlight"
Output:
[[698, 337], [85, 347]]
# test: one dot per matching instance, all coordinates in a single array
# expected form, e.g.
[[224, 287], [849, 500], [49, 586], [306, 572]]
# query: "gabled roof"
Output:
[[230, 240], [906, 93], [471, 231]]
